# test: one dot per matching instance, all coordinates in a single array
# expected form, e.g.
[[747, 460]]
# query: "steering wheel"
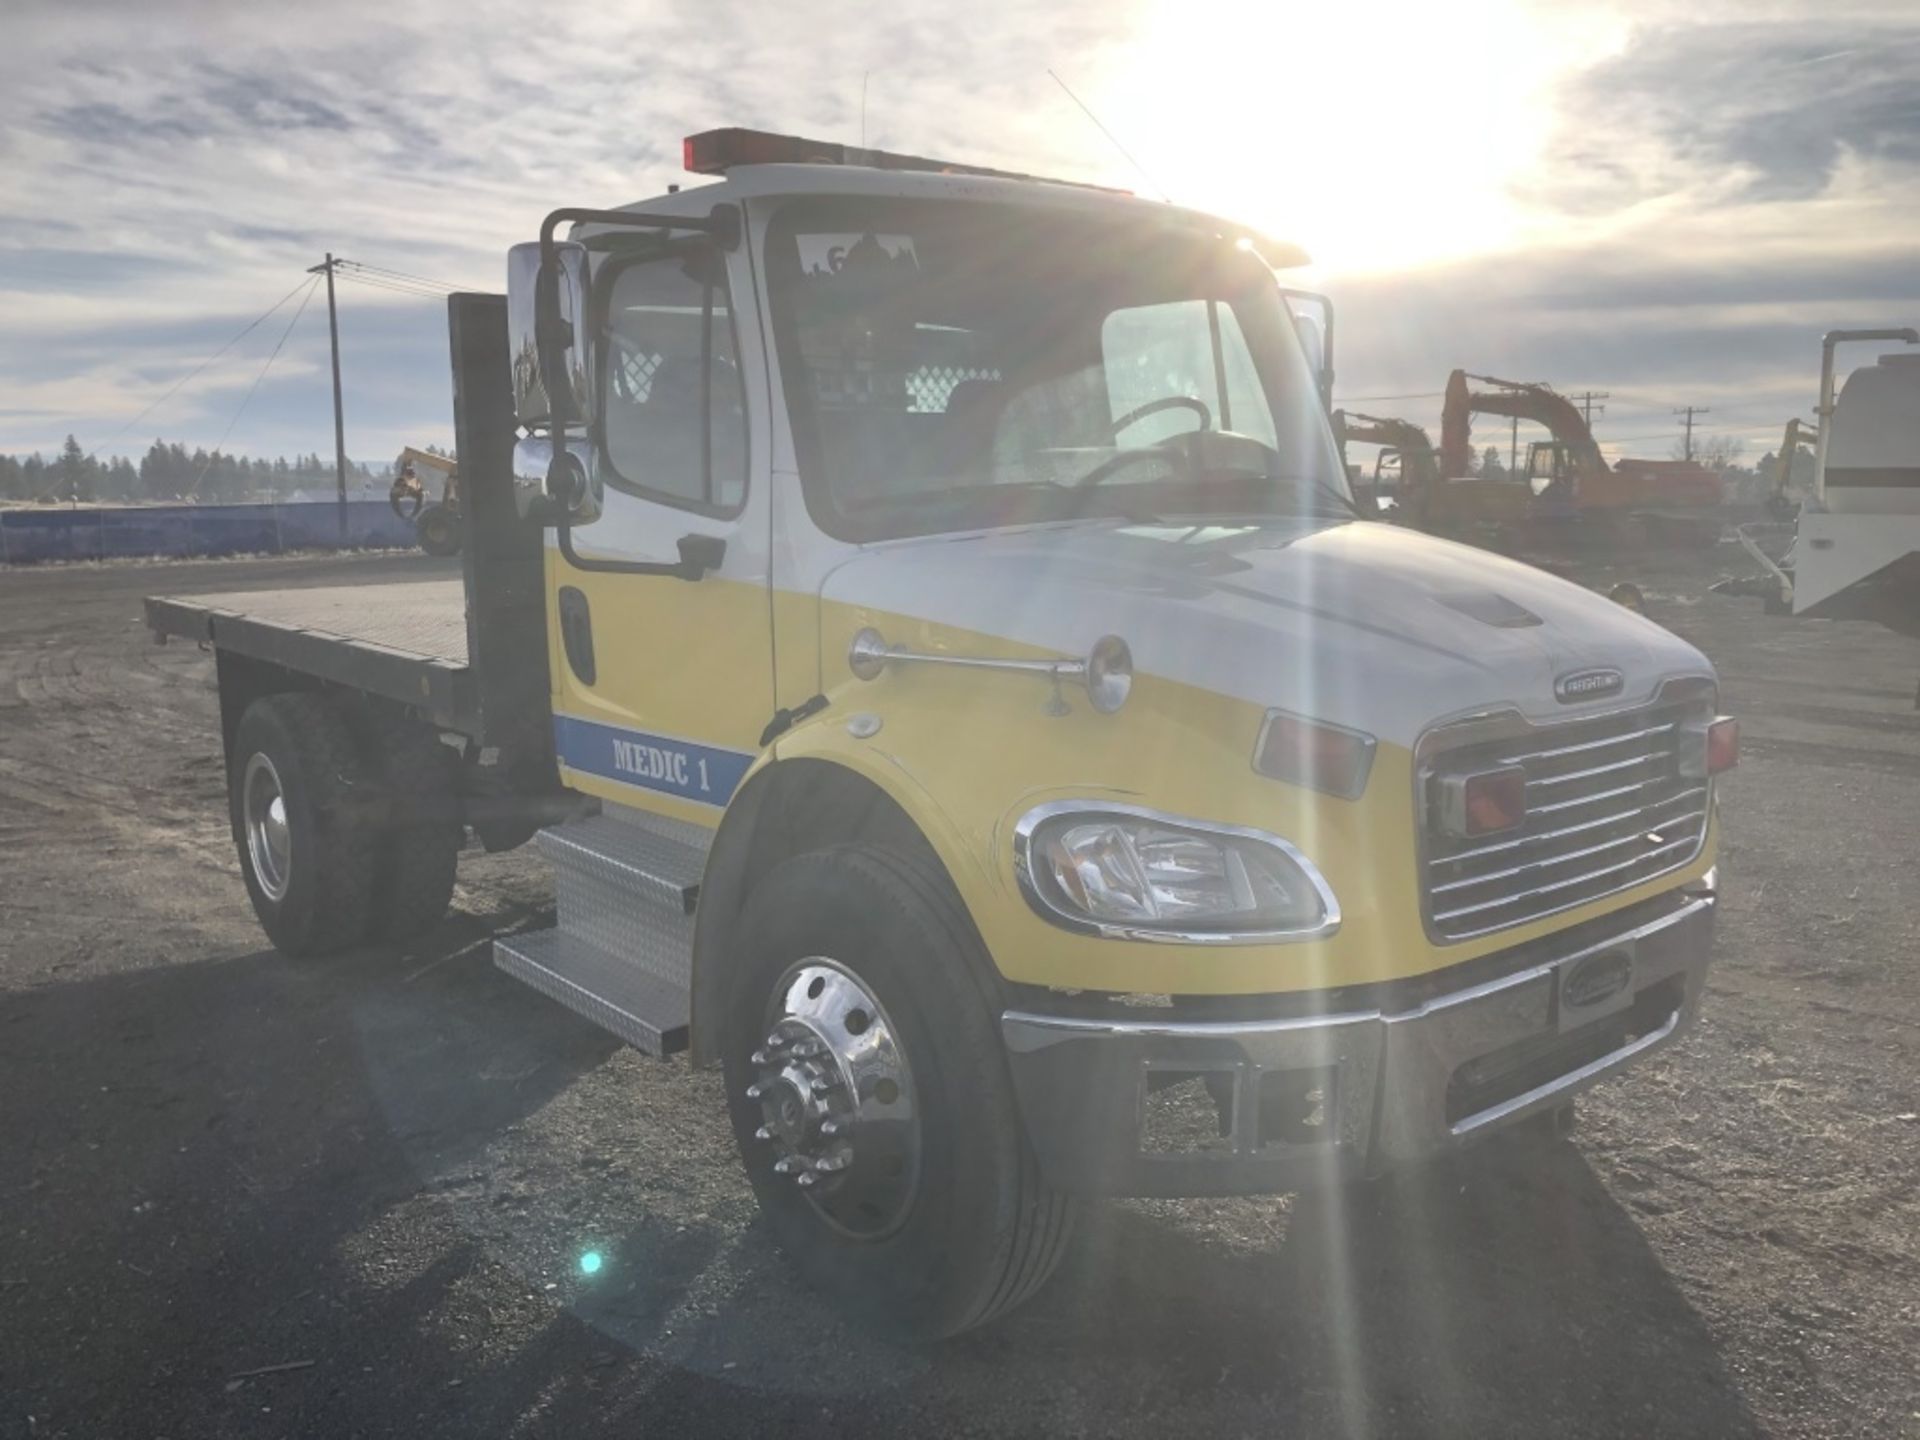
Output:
[[1166, 402]]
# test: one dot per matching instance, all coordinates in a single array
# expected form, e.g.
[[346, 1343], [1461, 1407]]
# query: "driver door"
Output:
[[661, 686]]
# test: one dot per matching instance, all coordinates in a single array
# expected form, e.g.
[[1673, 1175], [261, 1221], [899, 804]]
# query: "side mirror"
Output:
[[548, 332], [550, 489], [1316, 335]]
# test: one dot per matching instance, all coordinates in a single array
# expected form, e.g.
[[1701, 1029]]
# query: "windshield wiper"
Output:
[[1064, 502], [1346, 506]]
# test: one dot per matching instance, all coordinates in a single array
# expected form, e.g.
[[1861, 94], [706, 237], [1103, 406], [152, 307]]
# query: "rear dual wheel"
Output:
[[322, 875], [870, 1097]]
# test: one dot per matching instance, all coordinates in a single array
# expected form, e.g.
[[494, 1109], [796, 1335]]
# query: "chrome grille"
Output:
[[1607, 809]]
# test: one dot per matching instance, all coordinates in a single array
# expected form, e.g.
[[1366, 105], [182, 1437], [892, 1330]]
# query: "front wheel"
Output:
[[871, 1101]]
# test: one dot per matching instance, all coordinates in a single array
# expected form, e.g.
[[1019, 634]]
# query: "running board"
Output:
[[646, 1012], [625, 884]]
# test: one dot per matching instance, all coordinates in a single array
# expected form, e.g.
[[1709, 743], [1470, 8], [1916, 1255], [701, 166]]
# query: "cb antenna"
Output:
[[1112, 139]]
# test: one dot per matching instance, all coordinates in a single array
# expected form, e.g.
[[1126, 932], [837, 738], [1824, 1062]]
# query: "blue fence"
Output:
[[27, 536]]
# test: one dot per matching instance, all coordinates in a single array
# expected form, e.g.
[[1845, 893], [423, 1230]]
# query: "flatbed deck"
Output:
[[406, 642]]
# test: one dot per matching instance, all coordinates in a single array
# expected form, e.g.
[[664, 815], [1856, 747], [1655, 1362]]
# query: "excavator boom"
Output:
[[1519, 401]]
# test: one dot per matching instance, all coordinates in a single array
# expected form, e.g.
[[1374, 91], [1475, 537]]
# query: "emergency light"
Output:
[[714, 152]]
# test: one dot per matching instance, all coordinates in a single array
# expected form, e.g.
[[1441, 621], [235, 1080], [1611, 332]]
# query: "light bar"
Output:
[[714, 152]]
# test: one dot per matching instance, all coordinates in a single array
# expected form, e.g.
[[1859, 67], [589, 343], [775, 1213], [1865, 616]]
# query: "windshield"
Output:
[[959, 365]]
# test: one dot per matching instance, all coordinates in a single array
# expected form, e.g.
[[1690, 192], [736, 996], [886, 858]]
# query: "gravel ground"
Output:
[[241, 1196]]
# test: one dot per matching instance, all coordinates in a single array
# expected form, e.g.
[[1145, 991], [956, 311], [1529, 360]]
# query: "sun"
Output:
[[1379, 134]]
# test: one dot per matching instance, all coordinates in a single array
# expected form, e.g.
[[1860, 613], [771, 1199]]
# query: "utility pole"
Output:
[[1513, 448], [1690, 411], [1586, 404], [339, 419]]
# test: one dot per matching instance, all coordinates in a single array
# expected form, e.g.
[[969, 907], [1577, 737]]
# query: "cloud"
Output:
[[1713, 185]]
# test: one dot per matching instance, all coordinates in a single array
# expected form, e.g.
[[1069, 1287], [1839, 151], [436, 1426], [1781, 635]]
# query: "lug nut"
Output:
[[808, 1180], [755, 1090], [786, 1165], [822, 1085], [776, 1041], [763, 1133], [831, 1163], [829, 1127]]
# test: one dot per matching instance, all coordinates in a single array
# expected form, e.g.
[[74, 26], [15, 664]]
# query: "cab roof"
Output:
[[912, 178]]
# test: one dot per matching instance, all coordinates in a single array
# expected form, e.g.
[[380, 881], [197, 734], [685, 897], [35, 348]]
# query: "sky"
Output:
[[1668, 202]]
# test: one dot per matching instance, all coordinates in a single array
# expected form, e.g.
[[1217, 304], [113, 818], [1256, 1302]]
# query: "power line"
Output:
[[195, 371], [194, 489], [403, 275], [1367, 399], [418, 292]]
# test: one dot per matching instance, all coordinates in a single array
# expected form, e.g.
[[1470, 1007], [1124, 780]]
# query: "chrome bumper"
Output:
[[1364, 1089]]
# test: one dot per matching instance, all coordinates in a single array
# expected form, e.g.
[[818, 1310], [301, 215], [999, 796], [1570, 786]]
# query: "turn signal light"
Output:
[[1723, 744], [1483, 803], [1328, 758], [1708, 747]]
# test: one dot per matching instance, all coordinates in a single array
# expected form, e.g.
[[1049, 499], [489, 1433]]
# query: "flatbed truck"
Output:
[[919, 613]]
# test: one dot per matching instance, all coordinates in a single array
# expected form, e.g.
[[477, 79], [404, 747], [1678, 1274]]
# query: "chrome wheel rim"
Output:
[[836, 1100], [263, 809]]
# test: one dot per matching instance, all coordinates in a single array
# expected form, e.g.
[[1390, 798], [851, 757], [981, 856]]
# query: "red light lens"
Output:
[[1320, 757], [1723, 744], [1495, 800]]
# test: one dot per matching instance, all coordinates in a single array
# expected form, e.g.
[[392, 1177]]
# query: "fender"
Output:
[[848, 792]]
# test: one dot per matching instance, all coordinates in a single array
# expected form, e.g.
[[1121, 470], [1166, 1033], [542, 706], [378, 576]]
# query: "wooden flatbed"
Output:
[[406, 642]]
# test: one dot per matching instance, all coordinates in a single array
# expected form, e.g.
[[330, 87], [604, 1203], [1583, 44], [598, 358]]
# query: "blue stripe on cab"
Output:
[[692, 771]]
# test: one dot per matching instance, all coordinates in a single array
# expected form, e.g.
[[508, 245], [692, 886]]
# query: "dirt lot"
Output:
[[370, 1180]]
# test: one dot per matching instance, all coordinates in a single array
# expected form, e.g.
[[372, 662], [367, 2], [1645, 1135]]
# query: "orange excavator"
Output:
[[1407, 470], [1569, 494]]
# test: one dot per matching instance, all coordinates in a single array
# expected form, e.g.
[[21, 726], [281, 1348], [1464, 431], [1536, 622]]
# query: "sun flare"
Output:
[[1380, 134]]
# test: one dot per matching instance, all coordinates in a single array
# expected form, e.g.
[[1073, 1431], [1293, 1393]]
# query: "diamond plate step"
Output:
[[650, 863], [644, 1010], [627, 886]]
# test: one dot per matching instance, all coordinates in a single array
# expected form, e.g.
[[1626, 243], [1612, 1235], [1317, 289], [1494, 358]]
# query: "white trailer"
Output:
[[1856, 551]]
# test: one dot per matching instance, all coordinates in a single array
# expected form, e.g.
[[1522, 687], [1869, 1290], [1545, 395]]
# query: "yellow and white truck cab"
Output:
[[926, 607]]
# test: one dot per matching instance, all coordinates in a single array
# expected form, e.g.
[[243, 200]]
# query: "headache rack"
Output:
[[1607, 809]]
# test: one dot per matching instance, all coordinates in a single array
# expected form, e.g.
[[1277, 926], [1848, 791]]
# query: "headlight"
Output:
[[1129, 873]]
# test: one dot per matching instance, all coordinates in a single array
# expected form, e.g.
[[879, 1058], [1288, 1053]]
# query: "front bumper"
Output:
[[1165, 1105]]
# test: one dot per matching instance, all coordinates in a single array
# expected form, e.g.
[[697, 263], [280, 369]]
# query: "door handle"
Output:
[[701, 553]]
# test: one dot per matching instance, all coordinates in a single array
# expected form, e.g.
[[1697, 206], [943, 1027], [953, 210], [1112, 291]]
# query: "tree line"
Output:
[[166, 473]]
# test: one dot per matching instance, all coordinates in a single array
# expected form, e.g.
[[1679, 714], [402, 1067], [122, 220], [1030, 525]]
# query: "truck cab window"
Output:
[[675, 412]]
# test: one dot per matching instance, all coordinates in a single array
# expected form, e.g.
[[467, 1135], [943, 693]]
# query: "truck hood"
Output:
[[1360, 624]]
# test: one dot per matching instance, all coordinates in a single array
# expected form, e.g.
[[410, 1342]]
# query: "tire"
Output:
[[980, 1232], [311, 889], [439, 530], [415, 860]]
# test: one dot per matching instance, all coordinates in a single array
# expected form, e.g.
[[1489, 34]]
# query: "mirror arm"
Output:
[[721, 224]]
